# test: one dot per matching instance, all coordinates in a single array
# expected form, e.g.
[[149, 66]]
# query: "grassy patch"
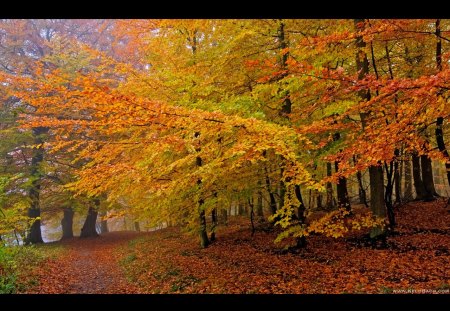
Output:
[[18, 263]]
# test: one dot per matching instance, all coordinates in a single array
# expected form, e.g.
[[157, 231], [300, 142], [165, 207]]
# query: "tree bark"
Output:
[[104, 224], [204, 241], [88, 229], [137, 227], [301, 241], [241, 209], [329, 188], [377, 204], [375, 172], [252, 214], [259, 202], [342, 193], [273, 202], [427, 178], [441, 145], [418, 183], [67, 223], [397, 178], [408, 195], [213, 224], [286, 107], [440, 120], [388, 193], [34, 234], [224, 216], [361, 191]]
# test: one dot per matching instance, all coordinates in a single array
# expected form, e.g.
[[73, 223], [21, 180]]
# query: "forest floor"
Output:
[[85, 266], [416, 259]]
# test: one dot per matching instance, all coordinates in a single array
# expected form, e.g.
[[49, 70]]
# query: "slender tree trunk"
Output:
[[408, 195], [342, 193], [301, 241], [34, 212], [388, 194], [67, 223], [286, 107], [361, 191], [397, 177], [418, 183], [224, 216], [377, 204], [137, 227], [88, 229], [103, 224], [329, 188], [440, 120], [241, 211], [273, 202], [259, 203], [252, 214], [213, 224], [441, 145], [281, 191], [427, 177], [204, 241]]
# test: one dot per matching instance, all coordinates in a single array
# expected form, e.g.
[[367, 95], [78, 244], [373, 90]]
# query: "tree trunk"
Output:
[[224, 216], [281, 191], [301, 241], [103, 224], [377, 204], [375, 172], [137, 227], [388, 194], [259, 203], [441, 145], [34, 234], [342, 193], [319, 198], [408, 195], [329, 188], [418, 183], [397, 178], [361, 191], [273, 202], [204, 241], [286, 107], [213, 224], [427, 177], [440, 120], [88, 229], [252, 214], [67, 223], [241, 209]]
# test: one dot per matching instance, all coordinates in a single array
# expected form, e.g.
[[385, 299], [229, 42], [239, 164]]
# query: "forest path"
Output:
[[88, 266]]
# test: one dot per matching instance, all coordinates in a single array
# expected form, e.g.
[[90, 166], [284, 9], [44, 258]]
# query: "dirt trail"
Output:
[[88, 266]]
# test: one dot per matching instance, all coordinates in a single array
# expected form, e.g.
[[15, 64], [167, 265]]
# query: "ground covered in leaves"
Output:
[[85, 266], [415, 259]]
